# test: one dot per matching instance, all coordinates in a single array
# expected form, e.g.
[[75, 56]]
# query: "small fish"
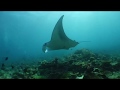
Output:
[[12, 66], [3, 66], [6, 58]]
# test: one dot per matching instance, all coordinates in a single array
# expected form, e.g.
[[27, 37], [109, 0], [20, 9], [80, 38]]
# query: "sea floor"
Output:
[[82, 64]]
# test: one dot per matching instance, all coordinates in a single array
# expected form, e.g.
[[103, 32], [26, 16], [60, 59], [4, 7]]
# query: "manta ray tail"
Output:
[[83, 41]]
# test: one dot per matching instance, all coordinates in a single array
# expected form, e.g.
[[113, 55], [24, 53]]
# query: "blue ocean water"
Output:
[[22, 33]]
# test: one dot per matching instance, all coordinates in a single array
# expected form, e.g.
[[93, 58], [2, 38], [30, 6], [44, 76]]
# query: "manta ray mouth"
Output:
[[45, 48]]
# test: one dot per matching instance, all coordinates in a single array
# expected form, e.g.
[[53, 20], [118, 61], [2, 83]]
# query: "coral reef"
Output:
[[82, 64]]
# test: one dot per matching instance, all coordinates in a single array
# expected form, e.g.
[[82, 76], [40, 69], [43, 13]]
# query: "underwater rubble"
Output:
[[82, 64]]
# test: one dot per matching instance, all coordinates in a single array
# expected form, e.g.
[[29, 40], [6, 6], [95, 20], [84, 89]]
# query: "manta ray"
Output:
[[59, 39]]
